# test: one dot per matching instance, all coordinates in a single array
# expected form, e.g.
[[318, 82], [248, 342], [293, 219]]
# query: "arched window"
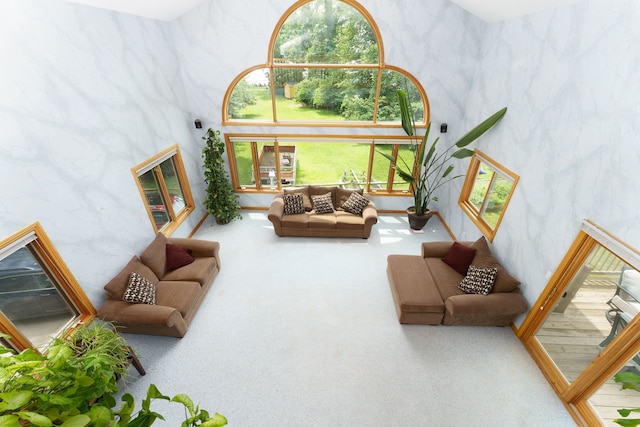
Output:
[[325, 68], [325, 64]]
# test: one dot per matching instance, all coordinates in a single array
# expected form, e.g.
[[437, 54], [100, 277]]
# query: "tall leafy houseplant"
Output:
[[431, 169], [221, 201]]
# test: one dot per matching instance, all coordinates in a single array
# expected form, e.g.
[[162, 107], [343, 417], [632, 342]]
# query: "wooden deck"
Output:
[[573, 338]]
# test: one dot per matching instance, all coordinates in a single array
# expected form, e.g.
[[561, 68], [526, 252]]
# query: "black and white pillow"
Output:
[[140, 290], [322, 203], [355, 203], [478, 280], [293, 204]]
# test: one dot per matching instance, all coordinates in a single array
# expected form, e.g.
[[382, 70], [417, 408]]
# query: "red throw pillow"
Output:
[[459, 257], [177, 256]]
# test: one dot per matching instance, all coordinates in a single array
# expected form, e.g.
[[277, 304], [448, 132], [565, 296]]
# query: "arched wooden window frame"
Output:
[[271, 65]]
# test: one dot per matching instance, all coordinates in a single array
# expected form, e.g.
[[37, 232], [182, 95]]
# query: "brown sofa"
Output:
[[338, 223], [425, 289], [178, 293]]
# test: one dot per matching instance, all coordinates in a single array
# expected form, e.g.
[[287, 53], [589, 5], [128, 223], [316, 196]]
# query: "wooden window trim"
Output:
[[465, 194], [63, 279], [154, 163]]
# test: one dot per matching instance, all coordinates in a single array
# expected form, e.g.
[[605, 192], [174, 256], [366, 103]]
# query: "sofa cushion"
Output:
[[140, 290], [116, 286], [155, 256], [459, 257], [317, 190], [295, 221], [293, 204], [180, 295], [322, 221], [485, 259], [478, 280], [305, 196], [177, 256], [355, 204], [343, 194], [197, 271], [322, 203], [348, 221], [446, 279]]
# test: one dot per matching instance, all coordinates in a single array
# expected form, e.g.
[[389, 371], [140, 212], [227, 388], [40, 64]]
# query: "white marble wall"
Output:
[[86, 94], [570, 79]]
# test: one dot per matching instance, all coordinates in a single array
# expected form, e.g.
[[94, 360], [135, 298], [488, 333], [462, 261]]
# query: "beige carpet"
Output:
[[303, 332]]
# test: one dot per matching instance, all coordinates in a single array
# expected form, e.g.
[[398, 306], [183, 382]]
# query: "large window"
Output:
[[486, 192], [39, 297], [584, 328], [270, 163], [164, 187], [325, 65]]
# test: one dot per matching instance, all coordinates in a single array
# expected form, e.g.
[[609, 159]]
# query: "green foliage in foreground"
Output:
[[629, 380], [68, 389]]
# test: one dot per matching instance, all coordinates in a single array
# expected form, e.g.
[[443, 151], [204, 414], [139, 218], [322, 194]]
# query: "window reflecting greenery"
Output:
[[325, 67]]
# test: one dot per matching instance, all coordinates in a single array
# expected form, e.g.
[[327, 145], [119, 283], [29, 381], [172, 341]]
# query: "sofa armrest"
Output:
[[436, 249], [276, 211], [508, 303], [122, 313], [199, 248], [370, 214]]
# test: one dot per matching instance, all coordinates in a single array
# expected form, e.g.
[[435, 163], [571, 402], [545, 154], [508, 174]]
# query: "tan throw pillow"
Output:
[[485, 259], [355, 204], [322, 204], [293, 204], [140, 290], [478, 280]]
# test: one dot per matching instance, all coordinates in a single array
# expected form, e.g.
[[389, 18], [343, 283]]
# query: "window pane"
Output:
[[497, 198], [268, 168], [600, 300], [251, 97], [388, 107], [244, 164], [326, 32], [30, 300], [173, 185], [481, 185], [381, 167], [154, 198], [326, 94]]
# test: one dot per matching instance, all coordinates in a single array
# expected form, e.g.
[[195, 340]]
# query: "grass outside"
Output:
[[287, 109]]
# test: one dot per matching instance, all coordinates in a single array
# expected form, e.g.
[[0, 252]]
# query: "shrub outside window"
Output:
[[164, 188], [39, 297], [486, 193]]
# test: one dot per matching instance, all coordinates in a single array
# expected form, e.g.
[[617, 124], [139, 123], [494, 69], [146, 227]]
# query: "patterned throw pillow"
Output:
[[478, 280], [355, 203], [322, 204], [293, 204], [140, 290]]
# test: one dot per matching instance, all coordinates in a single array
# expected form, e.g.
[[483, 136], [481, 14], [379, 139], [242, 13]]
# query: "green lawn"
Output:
[[287, 109]]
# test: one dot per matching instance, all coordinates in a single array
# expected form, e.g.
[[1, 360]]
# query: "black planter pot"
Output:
[[417, 222]]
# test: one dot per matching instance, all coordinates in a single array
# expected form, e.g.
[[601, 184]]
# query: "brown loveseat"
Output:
[[178, 291], [336, 223], [425, 289]]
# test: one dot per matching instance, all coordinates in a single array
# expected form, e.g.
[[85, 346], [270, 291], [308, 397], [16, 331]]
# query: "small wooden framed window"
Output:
[[486, 192], [164, 188], [39, 297]]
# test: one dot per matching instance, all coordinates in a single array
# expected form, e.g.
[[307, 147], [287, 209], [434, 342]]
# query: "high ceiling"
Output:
[[168, 10]]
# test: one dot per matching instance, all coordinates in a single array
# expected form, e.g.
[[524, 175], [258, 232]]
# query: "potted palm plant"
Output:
[[430, 169]]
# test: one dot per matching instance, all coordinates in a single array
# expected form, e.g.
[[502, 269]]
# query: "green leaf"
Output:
[[100, 416], [462, 153], [185, 400], [216, 421], [405, 112], [9, 421], [480, 129], [36, 419], [448, 171], [80, 420], [15, 399], [627, 422]]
